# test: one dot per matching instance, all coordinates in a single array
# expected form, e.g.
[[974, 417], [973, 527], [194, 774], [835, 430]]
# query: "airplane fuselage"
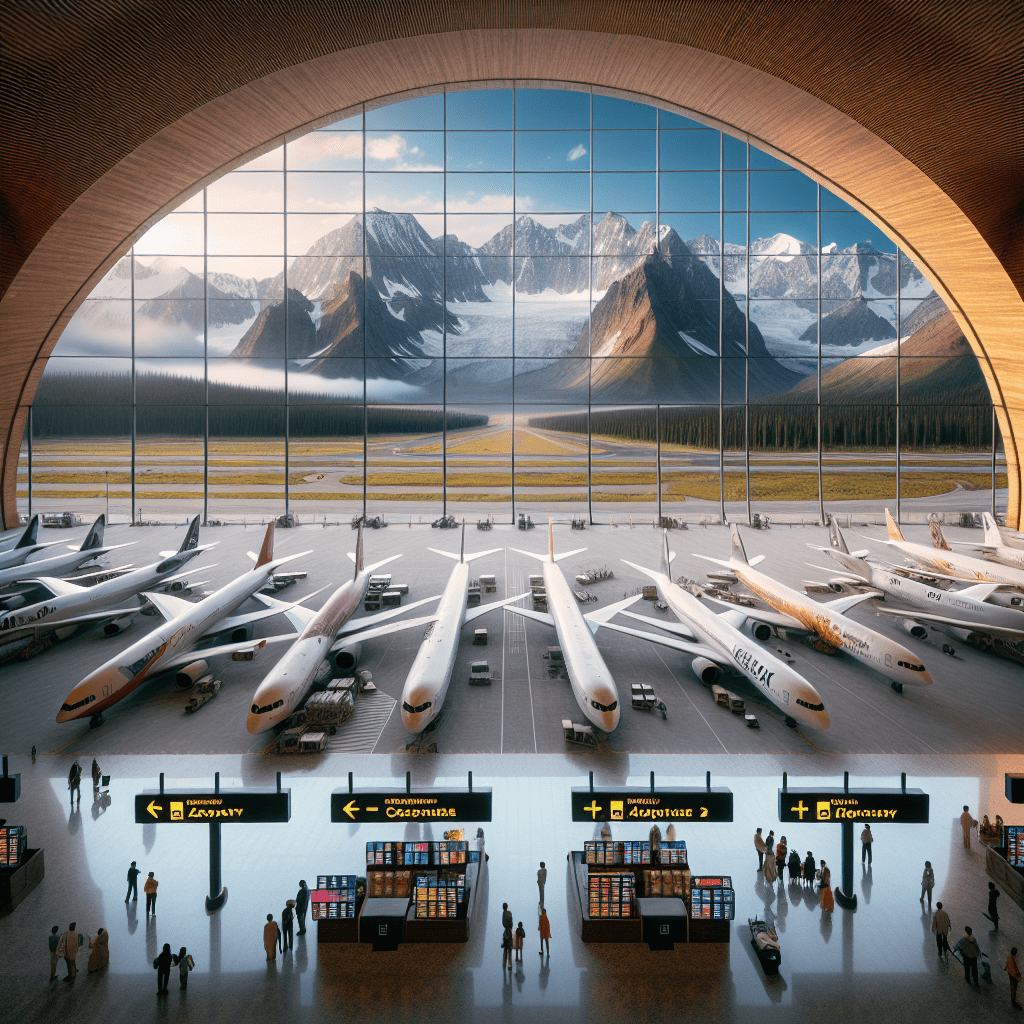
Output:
[[54, 566], [960, 566], [119, 676], [838, 630], [288, 682], [779, 682], [592, 682]]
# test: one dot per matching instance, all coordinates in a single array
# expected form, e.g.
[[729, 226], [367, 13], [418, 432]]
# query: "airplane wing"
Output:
[[57, 587], [529, 613], [915, 572], [762, 614], [677, 644], [475, 613], [671, 627], [602, 615], [843, 604], [388, 627], [202, 653], [297, 615], [44, 626], [979, 627], [234, 621], [169, 607], [357, 625]]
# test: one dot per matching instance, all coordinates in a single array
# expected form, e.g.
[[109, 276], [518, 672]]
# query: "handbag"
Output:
[[191, 963]]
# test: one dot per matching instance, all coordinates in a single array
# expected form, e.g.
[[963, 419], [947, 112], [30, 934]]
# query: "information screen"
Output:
[[435, 805], [643, 805], [823, 806], [1015, 844], [13, 840], [205, 806]]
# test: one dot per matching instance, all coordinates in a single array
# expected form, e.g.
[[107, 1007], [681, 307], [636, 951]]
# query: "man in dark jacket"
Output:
[[970, 951], [163, 968], [993, 910], [302, 905], [287, 924], [133, 883]]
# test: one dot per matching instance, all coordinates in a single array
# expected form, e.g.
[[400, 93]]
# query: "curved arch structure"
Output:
[[67, 229]]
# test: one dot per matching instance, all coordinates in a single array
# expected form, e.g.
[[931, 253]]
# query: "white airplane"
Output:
[[717, 645], [993, 548], [92, 547], [427, 682], [592, 683], [796, 611], [68, 608], [288, 682], [951, 564], [968, 613], [173, 644], [26, 546]]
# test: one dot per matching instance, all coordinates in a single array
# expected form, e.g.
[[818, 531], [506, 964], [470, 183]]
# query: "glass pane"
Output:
[[405, 151], [624, 191], [624, 478], [552, 234], [403, 381], [319, 381], [854, 327], [403, 234], [690, 465], [273, 160], [551, 380], [551, 444], [178, 234], [418, 112], [482, 310], [479, 109], [325, 457], [787, 378], [246, 461], [761, 161], [625, 151], [479, 456], [483, 193], [859, 464], [82, 381], [690, 151], [699, 231], [479, 151], [553, 192], [553, 151], [169, 454], [734, 190], [170, 382], [694, 190], [98, 328], [23, 502], [782, 277], [845, 230], [116, 283], [243, 192], [326, 151], [734, 153], [324, 192], [245, 234], [616, 233], [913, 284], [552, 108], [612, 112], [176, 327], [788, 329], [478, 380], [492, 233], [246, 382], [404, 461], [405, 192], [782, 190], [788, 233]]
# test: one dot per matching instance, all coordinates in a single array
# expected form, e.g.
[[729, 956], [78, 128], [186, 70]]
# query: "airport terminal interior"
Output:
[[459, 455]]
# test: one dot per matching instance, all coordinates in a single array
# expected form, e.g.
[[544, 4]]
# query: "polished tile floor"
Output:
[[878, 962]]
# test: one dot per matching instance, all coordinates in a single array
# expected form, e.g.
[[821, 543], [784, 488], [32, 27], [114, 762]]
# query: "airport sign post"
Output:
[[847, 806], [653, 804], [355, 806], [212, 807]]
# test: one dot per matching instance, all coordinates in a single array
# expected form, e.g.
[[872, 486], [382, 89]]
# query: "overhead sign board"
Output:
[[206, 806], [397, 805], [867, 805], [644, 805]]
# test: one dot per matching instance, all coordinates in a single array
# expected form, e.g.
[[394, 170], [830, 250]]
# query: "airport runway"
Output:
[[973, 707]]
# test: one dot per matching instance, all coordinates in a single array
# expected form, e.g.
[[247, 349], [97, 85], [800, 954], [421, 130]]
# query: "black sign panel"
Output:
[[643, 805], [205, 806], [867, 805], [397, 805]]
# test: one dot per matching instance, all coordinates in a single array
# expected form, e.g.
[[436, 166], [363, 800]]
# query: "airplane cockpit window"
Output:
[[406, 706], [79, 704], [601, 707], [810, 707], [911, 666]]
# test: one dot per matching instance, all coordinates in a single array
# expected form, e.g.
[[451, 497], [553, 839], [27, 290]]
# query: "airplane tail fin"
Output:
[[836, 538], [894, 530], [938, 540], [359, 552], [551, 539], [31, 534], [191, 537], [267, 551], [993, 537], [737, 552], [94, 538], [666, 555], [462, 549]]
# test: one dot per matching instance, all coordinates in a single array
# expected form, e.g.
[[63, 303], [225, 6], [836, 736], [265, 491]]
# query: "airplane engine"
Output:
[[241, 633], [760, 631], [190, 673], [706, 671], [915, 629], [346, 659], [117, 626]]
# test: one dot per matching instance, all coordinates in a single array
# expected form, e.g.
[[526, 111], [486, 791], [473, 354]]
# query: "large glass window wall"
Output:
[[512, 300]]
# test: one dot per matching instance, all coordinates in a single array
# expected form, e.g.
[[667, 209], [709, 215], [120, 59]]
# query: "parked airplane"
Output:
[[592, 683], [796, 611], [68, 608], [952, 564], [992, 547], [26, 546], [173, 644], [717, 645], [92, 547], [427, 682], [288, 682], [967, 613]]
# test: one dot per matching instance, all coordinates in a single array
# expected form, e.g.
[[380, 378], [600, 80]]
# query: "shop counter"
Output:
[[17, 883]]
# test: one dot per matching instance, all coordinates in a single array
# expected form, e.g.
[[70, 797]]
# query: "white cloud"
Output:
[[576, 152]]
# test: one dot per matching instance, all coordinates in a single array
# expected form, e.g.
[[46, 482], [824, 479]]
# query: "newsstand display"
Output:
[[21, 869], [334, 904]]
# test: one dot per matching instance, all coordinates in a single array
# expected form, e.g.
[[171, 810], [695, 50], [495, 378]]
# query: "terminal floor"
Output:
[[973, 706], [876, 963]]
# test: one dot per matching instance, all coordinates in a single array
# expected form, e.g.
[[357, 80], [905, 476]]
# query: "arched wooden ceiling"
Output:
[[115, 110]]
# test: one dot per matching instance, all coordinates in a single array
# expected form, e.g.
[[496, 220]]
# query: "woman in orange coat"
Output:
[[544, 927], [827, 901]]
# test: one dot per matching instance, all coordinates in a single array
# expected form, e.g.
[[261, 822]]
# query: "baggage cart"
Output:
[[479, 674], [576, 733], [327, 710], [480, 637]]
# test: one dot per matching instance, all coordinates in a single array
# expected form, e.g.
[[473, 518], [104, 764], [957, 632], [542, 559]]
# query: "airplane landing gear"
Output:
[[96, 720], [790, 722], [898, 687]]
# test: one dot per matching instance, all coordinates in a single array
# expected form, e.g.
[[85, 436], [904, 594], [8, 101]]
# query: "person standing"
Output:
[[68, 948], [927, 883], [506, 916], [761, 849], [271, 938], [302, 905], [970, 951], [993, 910], [769, 842], [809, 868], [770, 872], [866, 839], [99, 956], [184, 963], [75, 782], [826, 900], [966, 824], [96, 775], [781, 849], [287, 926], [941, 926], [53, 942], [542, 877], [544, 927], [163, 968], [517, 941], [506, 948], [1012, 968], [133, 883], [794, 866], [149, 888]]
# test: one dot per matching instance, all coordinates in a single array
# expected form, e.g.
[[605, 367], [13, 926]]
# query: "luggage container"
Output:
[[327, 710], [576, 733]]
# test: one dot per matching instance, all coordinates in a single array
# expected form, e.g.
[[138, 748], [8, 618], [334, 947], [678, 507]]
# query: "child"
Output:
[[517, 940], [184, 963]]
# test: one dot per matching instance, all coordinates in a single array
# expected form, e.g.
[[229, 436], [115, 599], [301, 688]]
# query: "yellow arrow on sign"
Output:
[[153, 808], [349, 808]]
